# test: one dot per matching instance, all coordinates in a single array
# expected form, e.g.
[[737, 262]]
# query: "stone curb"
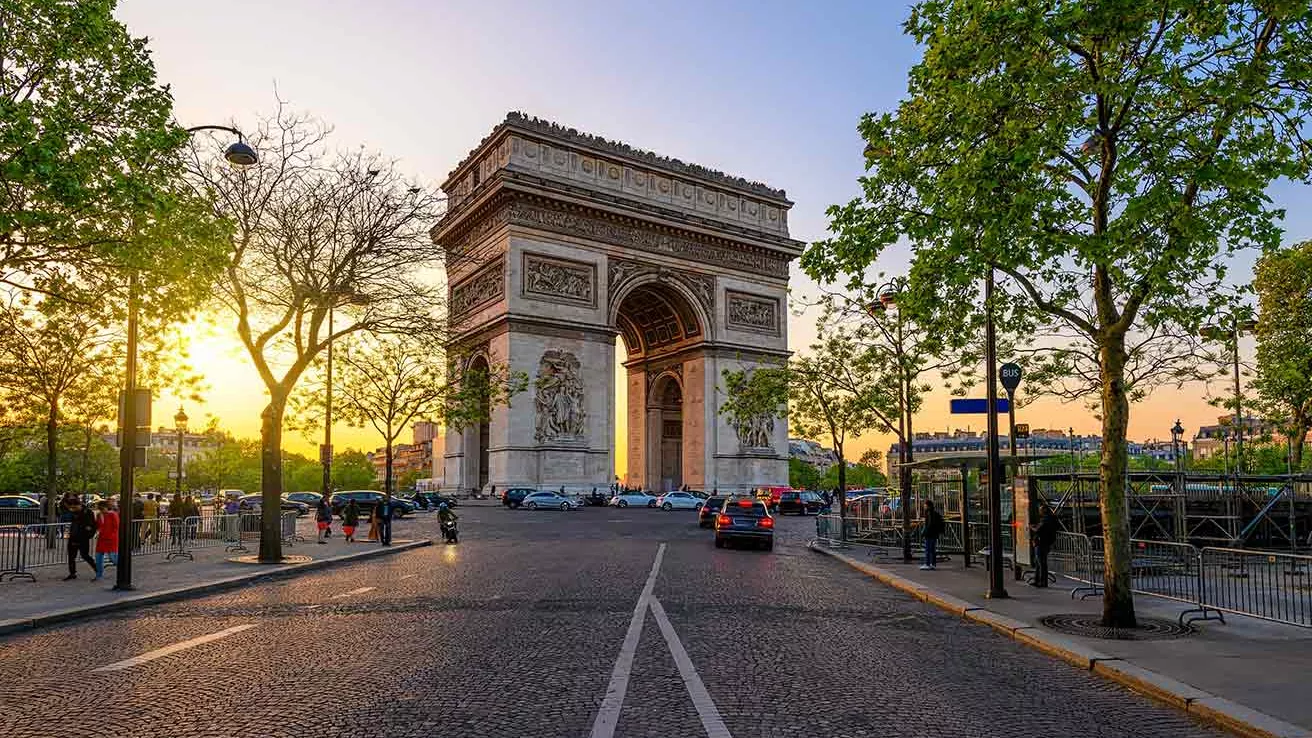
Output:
[[16, 625], [1209, 708]]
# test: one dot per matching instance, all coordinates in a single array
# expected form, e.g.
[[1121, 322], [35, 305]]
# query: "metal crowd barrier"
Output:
[[1259, 584], [26, 547]]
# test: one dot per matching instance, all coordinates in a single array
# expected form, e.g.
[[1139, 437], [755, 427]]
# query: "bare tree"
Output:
[[315, 232]]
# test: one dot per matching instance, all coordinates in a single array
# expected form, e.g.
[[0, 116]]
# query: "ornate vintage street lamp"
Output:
[[180, 422], [238, 154], [888, 296]]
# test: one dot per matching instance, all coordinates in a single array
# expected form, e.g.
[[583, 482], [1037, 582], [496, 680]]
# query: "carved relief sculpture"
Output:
[[752, 312], [484, 287], [755, 432], [559, 279], [561, 413]]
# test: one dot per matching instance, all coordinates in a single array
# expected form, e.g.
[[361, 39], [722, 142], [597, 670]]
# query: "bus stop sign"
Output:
[[1010, 376]]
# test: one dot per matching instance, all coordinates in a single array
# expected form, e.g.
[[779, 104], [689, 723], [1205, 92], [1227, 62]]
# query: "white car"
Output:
[[679, 501], [549, 500], [633, 499]]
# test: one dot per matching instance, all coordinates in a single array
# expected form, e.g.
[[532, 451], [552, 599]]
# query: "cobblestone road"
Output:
[[516, 632]]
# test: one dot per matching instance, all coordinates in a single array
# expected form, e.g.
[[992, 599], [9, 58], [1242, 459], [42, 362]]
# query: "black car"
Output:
[[707, 512], [802, 503], [433, 499], [309, 498], [744, 520], [365, 499], [515, 495], [252, 503]]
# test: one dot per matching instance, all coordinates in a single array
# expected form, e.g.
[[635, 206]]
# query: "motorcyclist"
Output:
[[445, 515]]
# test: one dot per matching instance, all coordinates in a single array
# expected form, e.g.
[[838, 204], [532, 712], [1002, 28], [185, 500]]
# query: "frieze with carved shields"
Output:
[[485, 287]]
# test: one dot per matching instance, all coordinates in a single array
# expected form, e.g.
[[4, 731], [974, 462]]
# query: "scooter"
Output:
[[450, 531]]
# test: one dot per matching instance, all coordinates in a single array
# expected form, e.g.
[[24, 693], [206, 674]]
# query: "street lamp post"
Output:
[[180, 422], [1239, 324], [238, 154], [996, 588], [1177, 436], [888, 297]]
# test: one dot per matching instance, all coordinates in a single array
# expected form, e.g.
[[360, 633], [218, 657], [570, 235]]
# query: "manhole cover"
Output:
[[1088, 625], [255, 559]]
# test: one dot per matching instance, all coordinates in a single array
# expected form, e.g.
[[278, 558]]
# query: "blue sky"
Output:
[[768, 90]]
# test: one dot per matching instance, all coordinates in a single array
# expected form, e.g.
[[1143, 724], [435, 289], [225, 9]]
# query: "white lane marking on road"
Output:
[[165, 651], [407, 576], [701, 699], [354, 592], [608, 716]]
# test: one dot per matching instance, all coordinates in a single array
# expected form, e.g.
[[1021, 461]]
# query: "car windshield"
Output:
[[714, 503]]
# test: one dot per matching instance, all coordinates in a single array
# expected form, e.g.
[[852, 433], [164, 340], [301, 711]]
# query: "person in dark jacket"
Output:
[[323, 518], [1045, 535], [81, 529], [933, 529], [350, 520], [383, 512]]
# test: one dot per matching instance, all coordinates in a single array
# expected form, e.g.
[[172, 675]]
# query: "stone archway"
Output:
[[557, 243]]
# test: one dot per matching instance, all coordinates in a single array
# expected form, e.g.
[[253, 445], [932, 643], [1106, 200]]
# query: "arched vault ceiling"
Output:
[[653, 317]]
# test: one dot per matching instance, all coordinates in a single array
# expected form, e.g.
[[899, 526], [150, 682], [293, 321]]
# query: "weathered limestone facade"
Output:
[[557, 242]]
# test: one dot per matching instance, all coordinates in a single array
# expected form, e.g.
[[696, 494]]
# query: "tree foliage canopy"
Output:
[[1283, 283]]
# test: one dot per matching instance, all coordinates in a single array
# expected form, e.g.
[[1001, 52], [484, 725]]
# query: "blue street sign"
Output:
[[978, 406]]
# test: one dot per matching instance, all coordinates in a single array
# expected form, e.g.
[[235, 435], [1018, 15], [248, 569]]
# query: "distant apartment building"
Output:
[[1211, 440], [164, 442], [1042, 442], [407, 457], [812, 453]]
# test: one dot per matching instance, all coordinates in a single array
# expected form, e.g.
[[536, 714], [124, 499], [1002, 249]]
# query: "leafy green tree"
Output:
[[322, 247], [229, 464], [353, 470], [802, 475], [1105, 158], [48, 352], [1283, 283]]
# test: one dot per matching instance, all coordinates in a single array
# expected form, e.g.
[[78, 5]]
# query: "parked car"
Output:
[[433, 499], [633, 499], [538, 500], [19, 510], [252, 503], [709, 509], [744, 520], [514, 496], [679, 501], [365, 499], [309, 498], [802, 503]]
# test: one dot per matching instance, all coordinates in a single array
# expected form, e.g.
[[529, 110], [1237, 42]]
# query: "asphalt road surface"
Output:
[[593, 623]]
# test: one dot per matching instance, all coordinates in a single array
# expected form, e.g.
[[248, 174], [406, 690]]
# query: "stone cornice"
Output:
[[507, 207], [574, 137]]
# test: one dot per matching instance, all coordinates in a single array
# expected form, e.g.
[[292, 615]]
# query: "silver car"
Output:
[[548, 501]]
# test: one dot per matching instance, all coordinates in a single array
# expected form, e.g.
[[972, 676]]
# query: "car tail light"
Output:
[[766, 522], [744, 503], [723, 520]]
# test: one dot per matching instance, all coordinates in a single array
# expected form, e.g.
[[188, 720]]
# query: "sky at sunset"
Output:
[[763, 89]]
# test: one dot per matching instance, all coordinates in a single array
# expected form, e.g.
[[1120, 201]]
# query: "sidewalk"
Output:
[[25, 605], [1256, 665]]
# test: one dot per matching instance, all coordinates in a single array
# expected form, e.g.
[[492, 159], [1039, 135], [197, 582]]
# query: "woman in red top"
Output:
[[106, 537]]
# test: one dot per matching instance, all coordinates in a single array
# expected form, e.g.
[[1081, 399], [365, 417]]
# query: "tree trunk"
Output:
[[842, 492], [1118, 600], [271, 479], [387, 468], [86, 460], [52, 467], [1297, 442]]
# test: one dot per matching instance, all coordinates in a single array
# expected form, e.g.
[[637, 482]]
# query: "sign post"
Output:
[[1010, 374]]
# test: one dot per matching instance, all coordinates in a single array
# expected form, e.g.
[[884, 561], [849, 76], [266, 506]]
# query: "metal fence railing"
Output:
[[1260, 584], [27, 547]]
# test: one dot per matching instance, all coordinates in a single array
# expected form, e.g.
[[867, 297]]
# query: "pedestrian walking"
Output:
[[177, 511], [1045, 535], [323, 517], [350, 519], [933, 529], [106, 538], [373, 523], [81, 529], [384, 511]]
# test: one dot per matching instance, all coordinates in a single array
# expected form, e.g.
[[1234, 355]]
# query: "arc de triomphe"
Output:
[[558, 241]]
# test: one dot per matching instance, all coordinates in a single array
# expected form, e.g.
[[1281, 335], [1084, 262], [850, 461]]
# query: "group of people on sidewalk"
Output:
[[82, 528], [1044, 532]]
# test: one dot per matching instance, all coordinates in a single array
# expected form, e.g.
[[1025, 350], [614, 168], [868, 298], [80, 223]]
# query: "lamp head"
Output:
[[180, 420], [240, 154]]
